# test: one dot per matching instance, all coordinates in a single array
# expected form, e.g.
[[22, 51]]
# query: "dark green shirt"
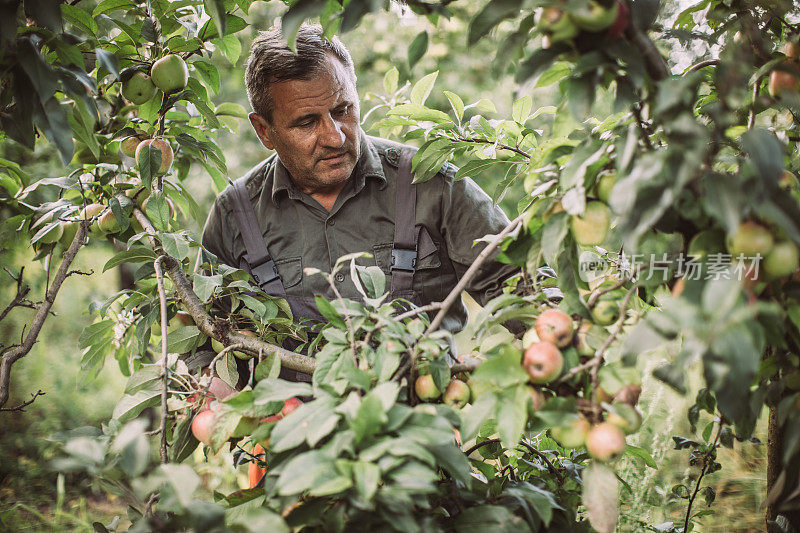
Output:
[[300, 233]]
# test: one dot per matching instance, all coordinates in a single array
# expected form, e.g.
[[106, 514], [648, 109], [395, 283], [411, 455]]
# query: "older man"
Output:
[[329, 189]]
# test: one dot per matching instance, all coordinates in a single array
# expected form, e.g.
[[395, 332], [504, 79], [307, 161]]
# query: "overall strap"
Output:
[[257, 260], [404, 248]]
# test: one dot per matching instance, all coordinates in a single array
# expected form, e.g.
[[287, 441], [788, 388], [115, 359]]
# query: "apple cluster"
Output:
[[457, 394], [564, 22], [785, 79], [544, 363], [170, 74]]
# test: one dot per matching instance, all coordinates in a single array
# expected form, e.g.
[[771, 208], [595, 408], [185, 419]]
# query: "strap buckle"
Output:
[[264, 273], [405, 260]]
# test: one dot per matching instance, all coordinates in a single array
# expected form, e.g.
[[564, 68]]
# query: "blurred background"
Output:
[[33, 497]]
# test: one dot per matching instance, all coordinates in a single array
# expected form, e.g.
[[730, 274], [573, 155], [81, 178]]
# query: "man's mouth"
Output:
[[336, 158]]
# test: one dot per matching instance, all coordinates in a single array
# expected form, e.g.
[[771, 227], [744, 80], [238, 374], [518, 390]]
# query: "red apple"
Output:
[[543, 362], [163, 148], [554, 326], [629, 394], [618, 27], [781, 81], [203, 426], [605, 441], [290, 405]]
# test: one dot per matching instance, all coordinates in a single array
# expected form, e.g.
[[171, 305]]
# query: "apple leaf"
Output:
[[601, 497]]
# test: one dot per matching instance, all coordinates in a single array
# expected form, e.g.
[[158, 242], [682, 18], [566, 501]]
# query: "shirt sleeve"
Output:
[[468, 213]]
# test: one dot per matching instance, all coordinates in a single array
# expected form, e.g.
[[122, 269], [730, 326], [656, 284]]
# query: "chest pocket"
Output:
[[427, 254], [290, 270]]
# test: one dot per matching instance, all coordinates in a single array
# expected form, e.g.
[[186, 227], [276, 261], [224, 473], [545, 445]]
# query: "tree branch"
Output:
[[162, 298], [43, 309], [22, 292], [22, 406], [217, 328], [656, 66]]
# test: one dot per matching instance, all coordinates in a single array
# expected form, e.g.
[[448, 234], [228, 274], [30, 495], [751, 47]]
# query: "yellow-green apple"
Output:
[[590, 228], [750, 239], [572, 434], [593, 16], [782, 260], [604, 441], [170, 73], [139, 88], [456, 394], [426, 388]]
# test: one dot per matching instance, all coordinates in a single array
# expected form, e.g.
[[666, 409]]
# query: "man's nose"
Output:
[[332, 133]]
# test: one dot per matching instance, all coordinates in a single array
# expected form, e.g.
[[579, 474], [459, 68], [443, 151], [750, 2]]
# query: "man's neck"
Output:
[[327, 197]]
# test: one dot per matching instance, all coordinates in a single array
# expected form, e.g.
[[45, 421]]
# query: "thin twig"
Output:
[[751, 117], [22, 292], [470, 273], [22, 406], [544, 458], [162, 297], [701, 65], [213, 363], [706, 460], [501, 146], [596, 296], [43, 310], [637, 112], [419, 310], [480, 445]]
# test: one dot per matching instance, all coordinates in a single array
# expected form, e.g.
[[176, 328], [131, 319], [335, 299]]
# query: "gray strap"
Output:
[[404, 249], [257, 260]]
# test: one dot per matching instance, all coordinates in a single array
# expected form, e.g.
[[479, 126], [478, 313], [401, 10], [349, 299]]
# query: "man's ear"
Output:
[[263, 129]]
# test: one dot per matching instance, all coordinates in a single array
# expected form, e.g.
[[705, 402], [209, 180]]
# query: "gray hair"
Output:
[[272, 61]]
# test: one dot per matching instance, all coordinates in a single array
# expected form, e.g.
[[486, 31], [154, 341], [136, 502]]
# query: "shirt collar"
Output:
[[368, 166]]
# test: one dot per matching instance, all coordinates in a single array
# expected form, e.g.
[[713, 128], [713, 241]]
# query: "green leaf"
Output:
[[96, 332], [417, 48], [303, 472], [420, 112], [205, 286], [456, 103], [421, 89], [216, 10], [273, 390], [521, 109], [390, 80], [370, 418], [601, 497], [175, 245], [366, 477], [138, 254], [481, 518], [108, 61], [183, 480], [329, 312], [299, 11], [268, 368], [539, 60], [230, 46], [79, 18], [555, 73], [490, 16], [641, 454], [184, 339], [131, 405], [226, 369], [109, 6], [512, 414], [231, 109]]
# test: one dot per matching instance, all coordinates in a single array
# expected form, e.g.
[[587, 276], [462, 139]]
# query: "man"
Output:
[[330, 190]]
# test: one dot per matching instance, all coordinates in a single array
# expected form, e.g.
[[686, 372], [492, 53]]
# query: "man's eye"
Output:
[[342, 110]]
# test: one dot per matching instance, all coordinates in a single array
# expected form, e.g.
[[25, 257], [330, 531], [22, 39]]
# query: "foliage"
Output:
[[679, 161]]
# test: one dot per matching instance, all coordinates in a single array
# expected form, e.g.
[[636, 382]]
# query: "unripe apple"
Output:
[[163, 148], [529, 338], [705, 243], [138, 191], [604, 185], [426, 388], [554, 23], [91, 211], [618, 27], [543, 362], [129, 144], [184, 319], [203, 426], [625, 417], [751, 239], [781, 82], [555, 208], [604, 441], [554, 326], [590, 228], [69, 230], [170, 73], [788, 181], [139, 88], [605, 312], [582, 342], [782, 260], [592, 16], [456, 394], [53, 234], [572, 434], [629, 394], [108, 222], [535, 401]]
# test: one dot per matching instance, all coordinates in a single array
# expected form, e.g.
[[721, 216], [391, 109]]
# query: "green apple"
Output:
[[707, 242], [591, 228], [555, 24], [129, 144], [426, 389], [604, 185], [751, 239], [572, 434], [108, 222], [69, 230], [139, 88], [170, 73], [592, 16], [53, 234], [605, 312], [625, 417], [782, 260], [457, 394]]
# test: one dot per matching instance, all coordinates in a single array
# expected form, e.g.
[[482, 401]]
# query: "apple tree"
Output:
[[660, 190]]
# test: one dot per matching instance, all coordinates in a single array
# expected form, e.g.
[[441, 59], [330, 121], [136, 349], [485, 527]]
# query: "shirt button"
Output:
[[340, 277], [331, 222]]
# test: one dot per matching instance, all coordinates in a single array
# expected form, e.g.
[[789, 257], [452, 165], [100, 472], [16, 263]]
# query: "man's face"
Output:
[[314, 128]]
